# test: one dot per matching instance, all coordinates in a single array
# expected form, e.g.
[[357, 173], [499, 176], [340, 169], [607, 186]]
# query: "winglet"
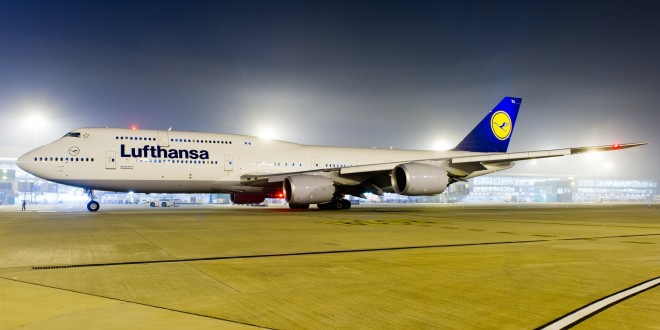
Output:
[[493, 133]]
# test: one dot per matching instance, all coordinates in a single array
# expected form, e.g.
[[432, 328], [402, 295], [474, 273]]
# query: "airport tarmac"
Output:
[[515, 266]]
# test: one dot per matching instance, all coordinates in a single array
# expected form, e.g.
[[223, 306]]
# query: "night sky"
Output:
[[407, 74]]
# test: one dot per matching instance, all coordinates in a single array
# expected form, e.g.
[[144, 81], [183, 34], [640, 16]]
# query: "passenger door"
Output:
[[163, 138], [110, 160], [229, 163]]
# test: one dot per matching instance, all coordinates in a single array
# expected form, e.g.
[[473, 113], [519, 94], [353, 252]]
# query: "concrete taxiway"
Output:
[[376, 267]]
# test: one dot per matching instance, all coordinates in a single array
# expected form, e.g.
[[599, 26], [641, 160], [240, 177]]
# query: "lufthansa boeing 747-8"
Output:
[[252, 169]]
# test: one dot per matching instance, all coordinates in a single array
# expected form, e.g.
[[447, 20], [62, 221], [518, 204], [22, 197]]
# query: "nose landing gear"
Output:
[[92, 205]]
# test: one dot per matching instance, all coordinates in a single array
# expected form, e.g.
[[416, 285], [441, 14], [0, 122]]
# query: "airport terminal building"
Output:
[[536, 188], [17, 185]]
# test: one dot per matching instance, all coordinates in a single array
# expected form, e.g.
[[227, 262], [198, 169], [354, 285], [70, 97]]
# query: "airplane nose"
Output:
[[24, 161]]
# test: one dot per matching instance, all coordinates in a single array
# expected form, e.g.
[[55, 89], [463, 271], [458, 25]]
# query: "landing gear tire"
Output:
[[93, 206], [152, 204], [298, 206], [163, 204], [337, 204]]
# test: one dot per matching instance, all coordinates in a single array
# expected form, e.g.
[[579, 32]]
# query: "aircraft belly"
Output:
[[156, 186]]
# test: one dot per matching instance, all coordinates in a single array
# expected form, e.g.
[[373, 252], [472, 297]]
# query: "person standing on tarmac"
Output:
[[23, 208]]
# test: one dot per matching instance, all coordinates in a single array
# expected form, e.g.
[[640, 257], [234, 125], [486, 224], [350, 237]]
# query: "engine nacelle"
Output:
[[413, 179], [308, 189], [247, 198]]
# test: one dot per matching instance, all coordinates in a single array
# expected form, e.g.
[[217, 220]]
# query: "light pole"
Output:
[[36, 122]]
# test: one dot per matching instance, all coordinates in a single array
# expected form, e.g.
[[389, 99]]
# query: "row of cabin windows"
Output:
[[80, 159], [280, 164], [139, 138], [136, 138], [63, 159], [300, 164], [147, 160], [200, 141], [178, 161]]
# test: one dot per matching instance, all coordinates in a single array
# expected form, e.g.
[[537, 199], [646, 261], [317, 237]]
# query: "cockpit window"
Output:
[[73, 134]]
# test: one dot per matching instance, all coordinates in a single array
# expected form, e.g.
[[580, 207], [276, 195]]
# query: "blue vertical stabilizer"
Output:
[[493, 133]]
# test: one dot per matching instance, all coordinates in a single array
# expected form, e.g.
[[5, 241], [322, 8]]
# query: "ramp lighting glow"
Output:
[[266, 134], [36, 121], [441, 145], [593, 155]]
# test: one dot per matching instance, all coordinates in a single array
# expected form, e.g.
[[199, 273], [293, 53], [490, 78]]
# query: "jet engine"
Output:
[[308, 189], [247, 198], [413, 179]]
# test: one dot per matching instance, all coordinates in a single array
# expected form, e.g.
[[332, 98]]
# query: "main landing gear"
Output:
[[335, 204], [93, 205], [298, 206]]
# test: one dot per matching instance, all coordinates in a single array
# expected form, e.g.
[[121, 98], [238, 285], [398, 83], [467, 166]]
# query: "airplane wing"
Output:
[[514, 156], [469, 164], [463, 164]]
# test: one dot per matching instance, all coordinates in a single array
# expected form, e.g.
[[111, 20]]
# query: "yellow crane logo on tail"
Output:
[[500, 124]]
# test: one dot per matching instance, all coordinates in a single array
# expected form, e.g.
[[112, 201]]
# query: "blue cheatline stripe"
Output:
[[573, 318]]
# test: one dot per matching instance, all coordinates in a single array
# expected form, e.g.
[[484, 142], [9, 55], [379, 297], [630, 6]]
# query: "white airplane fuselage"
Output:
[[153, 161]]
